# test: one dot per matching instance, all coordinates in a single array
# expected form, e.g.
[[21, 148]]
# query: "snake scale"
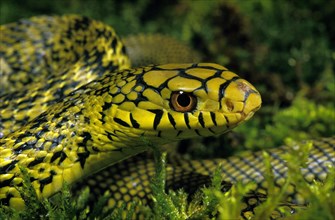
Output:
[[71, 106]]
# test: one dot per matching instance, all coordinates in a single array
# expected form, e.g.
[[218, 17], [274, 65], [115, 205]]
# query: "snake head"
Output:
[[176, 101]]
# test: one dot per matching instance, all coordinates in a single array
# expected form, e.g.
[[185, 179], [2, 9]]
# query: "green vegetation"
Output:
[[285, 48], [207, 203], [304, 119]]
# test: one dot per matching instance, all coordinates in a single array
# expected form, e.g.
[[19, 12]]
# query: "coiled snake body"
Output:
[[70, 107]]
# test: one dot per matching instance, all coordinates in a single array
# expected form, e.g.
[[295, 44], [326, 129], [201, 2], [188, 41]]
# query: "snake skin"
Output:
[[132, 183]]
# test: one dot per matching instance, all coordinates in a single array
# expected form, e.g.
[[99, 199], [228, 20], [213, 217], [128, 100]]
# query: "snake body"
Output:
[[71, 107], [102, 122], [192, 174]]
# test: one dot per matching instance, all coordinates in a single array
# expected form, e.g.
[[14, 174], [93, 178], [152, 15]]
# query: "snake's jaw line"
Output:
[[253, 103]]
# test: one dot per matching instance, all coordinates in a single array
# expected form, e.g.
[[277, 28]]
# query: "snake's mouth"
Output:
[[247, 116], [252, 104]]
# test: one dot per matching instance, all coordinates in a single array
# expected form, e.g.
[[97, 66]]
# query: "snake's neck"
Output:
[[64, 144]]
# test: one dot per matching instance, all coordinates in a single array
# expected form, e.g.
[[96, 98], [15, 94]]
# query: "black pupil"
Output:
[[184, 100]]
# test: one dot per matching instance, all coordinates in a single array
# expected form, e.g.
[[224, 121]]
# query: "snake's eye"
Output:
[[183, 102]]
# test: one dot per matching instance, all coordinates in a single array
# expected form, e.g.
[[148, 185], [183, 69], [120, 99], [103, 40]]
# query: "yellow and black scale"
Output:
[[71, 108]]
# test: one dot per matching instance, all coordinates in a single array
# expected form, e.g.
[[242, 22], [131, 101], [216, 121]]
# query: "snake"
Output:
[[74, 111], [137, 172]]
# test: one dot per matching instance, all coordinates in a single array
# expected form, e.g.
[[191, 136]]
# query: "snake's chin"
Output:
[[248, 116]]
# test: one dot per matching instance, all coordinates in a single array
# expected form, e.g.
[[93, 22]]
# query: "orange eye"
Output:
[[183, 102]]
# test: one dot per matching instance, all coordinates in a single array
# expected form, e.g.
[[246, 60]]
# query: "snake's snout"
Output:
[[240, 101], [252, 99]]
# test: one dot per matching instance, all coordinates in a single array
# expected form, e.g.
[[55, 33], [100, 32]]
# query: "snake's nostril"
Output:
[[230, 105]]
